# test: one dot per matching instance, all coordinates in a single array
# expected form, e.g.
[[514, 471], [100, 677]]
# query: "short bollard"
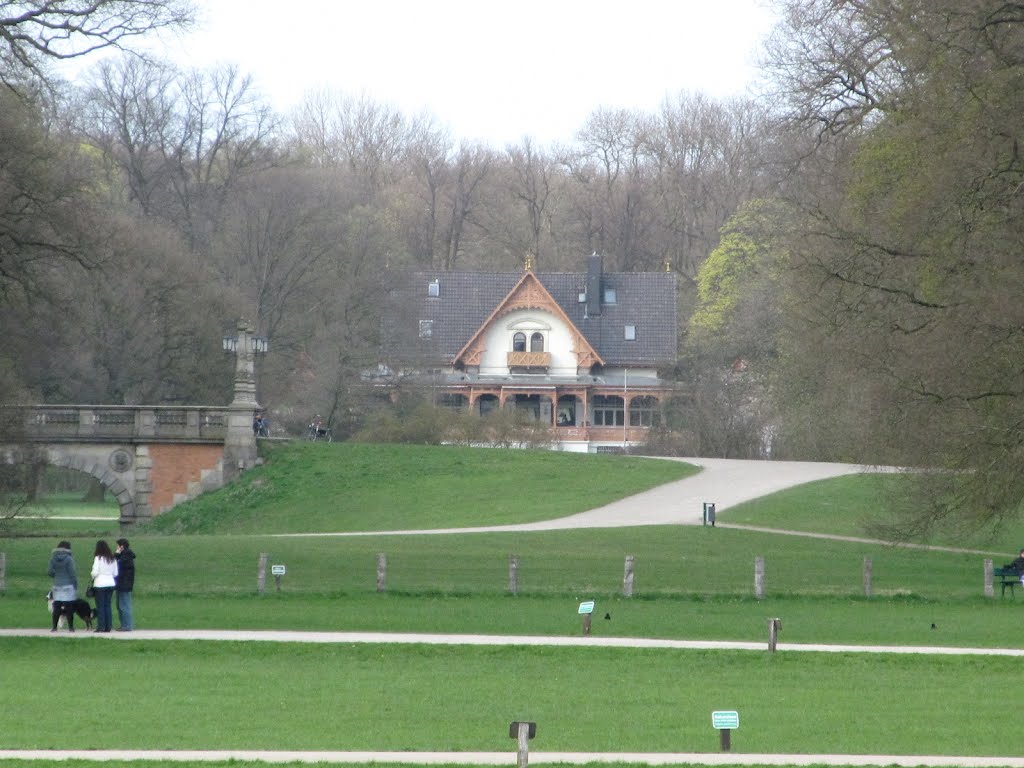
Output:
[[627, 576], [522, 732], [513, 574], [382, 572], [774, 625]]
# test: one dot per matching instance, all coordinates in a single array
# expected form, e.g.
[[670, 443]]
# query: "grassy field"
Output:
[[691, 583], [443, 698], [355, 487]]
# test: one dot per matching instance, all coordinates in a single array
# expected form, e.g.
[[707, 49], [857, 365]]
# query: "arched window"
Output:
[[519, 342], [537, 342]]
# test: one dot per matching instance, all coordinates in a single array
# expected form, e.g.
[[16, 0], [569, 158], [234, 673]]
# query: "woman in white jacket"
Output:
[[104, 577]]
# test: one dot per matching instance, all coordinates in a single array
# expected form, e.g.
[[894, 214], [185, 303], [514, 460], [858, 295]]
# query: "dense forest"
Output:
[[848, 238]]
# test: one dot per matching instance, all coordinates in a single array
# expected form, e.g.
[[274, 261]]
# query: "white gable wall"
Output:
[[558, 342]]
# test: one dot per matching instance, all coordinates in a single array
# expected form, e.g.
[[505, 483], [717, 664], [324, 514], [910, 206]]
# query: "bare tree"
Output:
[[181, 141], [32, 31], [908, 267], [532, 185]]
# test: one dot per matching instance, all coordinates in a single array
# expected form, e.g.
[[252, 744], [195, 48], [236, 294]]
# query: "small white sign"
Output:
[[277, 570], [723, 720], [587, 607]]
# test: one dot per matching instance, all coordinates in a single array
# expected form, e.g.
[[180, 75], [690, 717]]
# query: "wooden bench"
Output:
[[1008, 577]]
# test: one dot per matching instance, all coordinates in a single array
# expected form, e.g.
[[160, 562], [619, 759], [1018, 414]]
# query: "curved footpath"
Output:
[[726, 482]]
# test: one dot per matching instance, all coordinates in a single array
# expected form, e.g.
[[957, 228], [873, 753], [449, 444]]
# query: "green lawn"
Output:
[[691, 582], [356, 487], [848, 505], [382, 697]]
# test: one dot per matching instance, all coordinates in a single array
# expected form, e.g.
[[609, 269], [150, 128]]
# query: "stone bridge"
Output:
[[149, 457]]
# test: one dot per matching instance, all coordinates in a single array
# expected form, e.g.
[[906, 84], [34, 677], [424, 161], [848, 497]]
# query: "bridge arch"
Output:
[[149, 457], [113, 466]]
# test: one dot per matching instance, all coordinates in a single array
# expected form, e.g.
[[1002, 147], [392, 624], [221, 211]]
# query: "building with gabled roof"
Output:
[[580, 351]]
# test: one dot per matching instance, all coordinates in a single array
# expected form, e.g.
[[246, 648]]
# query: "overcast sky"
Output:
[[490, 70]]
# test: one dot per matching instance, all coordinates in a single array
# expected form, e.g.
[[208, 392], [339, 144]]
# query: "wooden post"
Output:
[[382, 572], [774, 625], [513, 574], [586, 623], [523, 746], [522, 732], [726, 738], [3, 572], [261, 573], [759, 578], [989, 589], [627, 577], [867, 577]]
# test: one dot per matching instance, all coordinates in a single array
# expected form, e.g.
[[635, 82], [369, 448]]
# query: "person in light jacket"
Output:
[[104, 577], [65, 584]]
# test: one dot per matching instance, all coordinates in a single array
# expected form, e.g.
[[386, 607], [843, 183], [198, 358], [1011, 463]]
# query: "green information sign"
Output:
[[587, 607], [723, 720]]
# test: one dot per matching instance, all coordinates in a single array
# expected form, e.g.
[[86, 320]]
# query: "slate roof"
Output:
[[646, 300]]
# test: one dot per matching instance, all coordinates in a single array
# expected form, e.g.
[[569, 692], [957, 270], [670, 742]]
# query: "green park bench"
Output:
[[1008, 577]]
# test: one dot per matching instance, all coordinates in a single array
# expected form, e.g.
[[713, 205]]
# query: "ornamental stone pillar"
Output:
[[240, 443]]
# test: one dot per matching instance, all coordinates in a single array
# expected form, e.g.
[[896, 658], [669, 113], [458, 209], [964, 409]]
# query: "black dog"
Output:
[[68, 608], [84, 610]]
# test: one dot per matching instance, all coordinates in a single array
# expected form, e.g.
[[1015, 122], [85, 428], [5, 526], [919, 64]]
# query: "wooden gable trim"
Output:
[[528, 293]]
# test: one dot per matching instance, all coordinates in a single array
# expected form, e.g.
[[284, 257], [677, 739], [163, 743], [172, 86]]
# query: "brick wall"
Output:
[[175, 467]]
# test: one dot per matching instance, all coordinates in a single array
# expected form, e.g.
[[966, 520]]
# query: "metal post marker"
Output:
[[278, 571]]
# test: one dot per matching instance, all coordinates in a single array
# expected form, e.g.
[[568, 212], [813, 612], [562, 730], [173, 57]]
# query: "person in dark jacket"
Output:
[[65, 584], [124, 585], [1017, 566]]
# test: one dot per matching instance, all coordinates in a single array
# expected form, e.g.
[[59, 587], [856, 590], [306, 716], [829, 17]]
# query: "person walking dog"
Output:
[[65, 584]]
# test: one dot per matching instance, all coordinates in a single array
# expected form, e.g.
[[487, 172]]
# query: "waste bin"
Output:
[[709, 513]]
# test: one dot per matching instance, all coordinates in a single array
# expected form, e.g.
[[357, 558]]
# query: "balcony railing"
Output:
[[529, 359]]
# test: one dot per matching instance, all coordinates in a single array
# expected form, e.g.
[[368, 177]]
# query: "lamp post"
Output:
[[240, 444]]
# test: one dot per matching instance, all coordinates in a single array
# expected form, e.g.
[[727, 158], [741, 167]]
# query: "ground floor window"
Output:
[[538, 407], [643, 412], [608, 411], [455, 401]]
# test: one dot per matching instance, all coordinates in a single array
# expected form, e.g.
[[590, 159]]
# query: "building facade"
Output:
[[578, 351]]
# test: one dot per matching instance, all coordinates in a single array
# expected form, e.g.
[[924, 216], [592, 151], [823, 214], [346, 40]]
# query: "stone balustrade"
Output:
[[127, 423]]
